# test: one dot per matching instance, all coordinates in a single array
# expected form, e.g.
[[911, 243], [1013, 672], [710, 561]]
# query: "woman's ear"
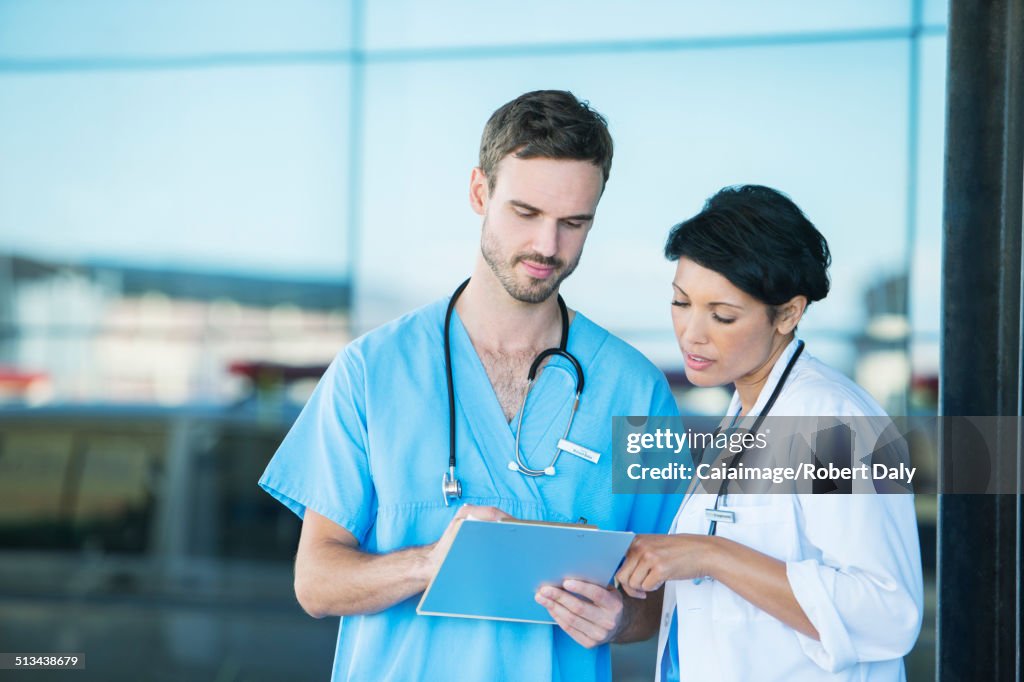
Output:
[[789, 313]]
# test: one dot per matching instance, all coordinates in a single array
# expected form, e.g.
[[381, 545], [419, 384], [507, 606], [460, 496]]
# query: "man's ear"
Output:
[[479, 191], [789, 313]]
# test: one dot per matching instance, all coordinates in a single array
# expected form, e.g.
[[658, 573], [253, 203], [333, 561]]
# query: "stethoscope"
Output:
[[451, 487], [714, 514]]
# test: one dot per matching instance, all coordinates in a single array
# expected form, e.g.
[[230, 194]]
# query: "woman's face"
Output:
[[725, 334]]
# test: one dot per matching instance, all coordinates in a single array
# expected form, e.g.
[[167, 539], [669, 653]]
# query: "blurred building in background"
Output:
[[126, 334]]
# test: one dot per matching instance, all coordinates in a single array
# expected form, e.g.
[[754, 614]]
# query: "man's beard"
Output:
[[534, 290]]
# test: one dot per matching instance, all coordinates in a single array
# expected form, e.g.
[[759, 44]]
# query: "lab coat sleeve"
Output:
[[323, 464], [863, 590]]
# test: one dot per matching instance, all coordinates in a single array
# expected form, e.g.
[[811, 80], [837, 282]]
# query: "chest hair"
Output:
[[507, 372]]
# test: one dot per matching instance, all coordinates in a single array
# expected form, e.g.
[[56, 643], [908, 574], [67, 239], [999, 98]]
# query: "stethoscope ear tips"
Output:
[[515, 466]]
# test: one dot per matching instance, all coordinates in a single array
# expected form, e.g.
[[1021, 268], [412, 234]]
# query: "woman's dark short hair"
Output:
[[759, 240], [551, 124]]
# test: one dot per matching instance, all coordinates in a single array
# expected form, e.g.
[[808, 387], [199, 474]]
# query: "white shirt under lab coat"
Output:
[[853, 562]]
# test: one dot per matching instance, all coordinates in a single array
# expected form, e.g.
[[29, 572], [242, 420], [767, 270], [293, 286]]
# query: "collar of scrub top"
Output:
[[714, 513], [451, 487]]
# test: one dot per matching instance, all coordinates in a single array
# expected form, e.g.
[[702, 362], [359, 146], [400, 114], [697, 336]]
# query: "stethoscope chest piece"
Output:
[[451, 487]]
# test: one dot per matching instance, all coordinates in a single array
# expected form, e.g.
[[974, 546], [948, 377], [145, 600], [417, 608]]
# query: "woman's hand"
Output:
[[754, 576], [654, 559]]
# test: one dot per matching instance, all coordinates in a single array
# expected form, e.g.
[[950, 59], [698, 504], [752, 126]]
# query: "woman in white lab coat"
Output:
[[782, 586]]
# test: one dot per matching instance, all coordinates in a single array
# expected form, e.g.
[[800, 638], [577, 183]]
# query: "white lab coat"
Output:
[[853, 562]]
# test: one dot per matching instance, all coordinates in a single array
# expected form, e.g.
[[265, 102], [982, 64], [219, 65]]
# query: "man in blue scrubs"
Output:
[[364, 461]]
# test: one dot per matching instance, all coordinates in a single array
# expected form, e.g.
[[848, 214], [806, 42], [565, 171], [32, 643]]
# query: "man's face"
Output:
[[536, 220]]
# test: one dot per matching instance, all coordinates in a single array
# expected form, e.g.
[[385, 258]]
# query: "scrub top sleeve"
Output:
[[865, 595], [322, 464], [653, 512], [663, 403]]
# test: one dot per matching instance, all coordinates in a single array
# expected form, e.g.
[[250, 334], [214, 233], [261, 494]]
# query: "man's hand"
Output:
[[591, 623], [437, 551]]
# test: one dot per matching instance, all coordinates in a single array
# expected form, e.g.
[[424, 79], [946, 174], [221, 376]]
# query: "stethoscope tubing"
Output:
[[450, 485], [723, 490]]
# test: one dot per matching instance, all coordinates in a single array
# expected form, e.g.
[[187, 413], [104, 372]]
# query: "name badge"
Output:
[[579, 451], [720, 515]]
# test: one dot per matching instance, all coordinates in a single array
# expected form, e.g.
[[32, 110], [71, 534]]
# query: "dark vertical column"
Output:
[[979, 536]]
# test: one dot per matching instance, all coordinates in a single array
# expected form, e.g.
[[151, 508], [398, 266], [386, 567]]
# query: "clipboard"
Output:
[[493, 569]]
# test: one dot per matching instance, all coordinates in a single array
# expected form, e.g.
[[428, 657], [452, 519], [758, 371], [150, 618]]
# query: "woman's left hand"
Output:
[[653, 559]]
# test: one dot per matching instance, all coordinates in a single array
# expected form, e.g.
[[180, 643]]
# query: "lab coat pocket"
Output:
[[767, 528]]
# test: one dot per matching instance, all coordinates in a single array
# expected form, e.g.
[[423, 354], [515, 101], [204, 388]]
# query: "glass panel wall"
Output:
[[202, 202]]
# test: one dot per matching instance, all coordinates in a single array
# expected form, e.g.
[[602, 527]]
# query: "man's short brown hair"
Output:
[[549, 124]]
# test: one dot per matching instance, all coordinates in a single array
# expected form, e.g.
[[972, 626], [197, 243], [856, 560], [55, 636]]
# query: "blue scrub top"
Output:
[[370, 447]]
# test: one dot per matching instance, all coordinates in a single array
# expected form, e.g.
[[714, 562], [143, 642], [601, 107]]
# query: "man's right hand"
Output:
[[333, 577], [439, 549]]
